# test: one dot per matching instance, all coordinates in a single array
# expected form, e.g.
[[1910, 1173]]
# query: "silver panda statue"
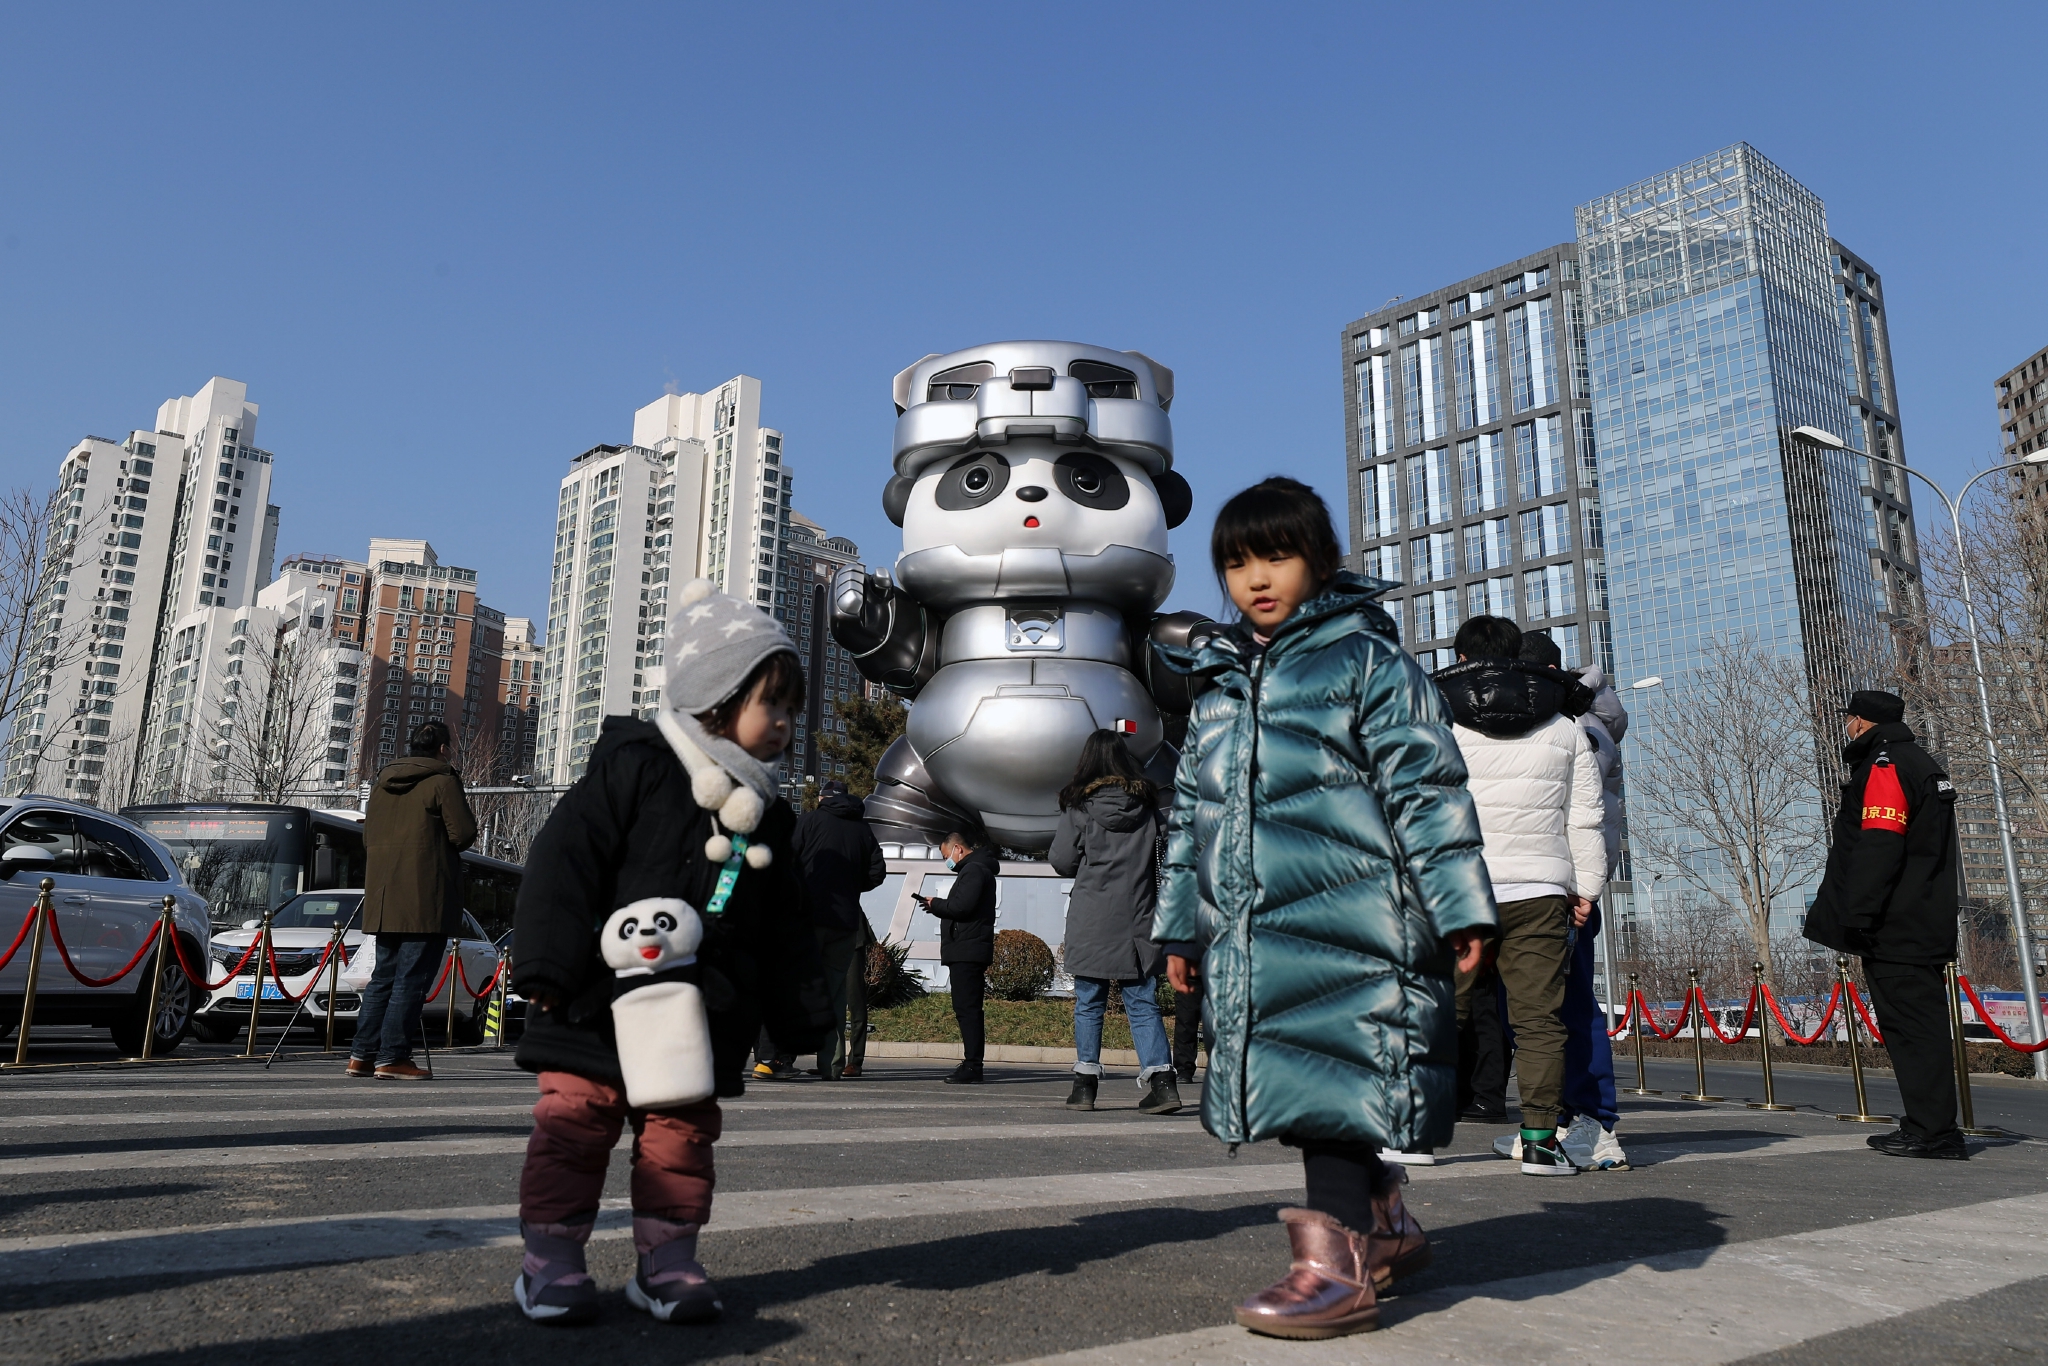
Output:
[[1034, 484]]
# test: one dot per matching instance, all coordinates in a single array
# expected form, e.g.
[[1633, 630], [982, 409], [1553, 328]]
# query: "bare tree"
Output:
[[1726, 799], [2005, 536], [273, 714]]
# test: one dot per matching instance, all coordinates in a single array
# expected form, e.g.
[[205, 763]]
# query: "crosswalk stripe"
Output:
[[456, 1108], [270, 1155], [274, 1242], [1696, 1308]]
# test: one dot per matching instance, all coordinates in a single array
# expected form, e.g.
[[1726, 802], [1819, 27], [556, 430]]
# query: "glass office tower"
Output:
[[1714, 328], [1470, 473]]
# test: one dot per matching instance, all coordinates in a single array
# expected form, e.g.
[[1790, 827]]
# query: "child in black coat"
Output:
[[681, 809]]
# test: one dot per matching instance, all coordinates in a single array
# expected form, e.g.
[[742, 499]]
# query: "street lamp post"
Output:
[[2022, 940]]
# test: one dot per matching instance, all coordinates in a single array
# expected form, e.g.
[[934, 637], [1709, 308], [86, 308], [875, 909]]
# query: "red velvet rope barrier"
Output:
[[1748, 1015], [63, 953], [442, 981], [312, 982], [490, 983], [1834, 998], [1627, 1011], [1864, 1011], [1650, 1019], [28, 922], [200, 977], [2008, 1040]]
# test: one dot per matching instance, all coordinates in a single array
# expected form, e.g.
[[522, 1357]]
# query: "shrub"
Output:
[[1022, 969], [890, 981]]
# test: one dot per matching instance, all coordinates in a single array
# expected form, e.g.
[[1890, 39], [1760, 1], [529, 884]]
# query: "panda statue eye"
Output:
[[972, 482], [628, 927], [1092, 481], [664, 922]]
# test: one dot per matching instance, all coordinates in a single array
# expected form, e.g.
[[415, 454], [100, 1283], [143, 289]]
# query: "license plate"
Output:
[[271, 991]]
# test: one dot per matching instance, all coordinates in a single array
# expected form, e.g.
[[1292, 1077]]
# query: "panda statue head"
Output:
[[1017, 447], [653, 935]]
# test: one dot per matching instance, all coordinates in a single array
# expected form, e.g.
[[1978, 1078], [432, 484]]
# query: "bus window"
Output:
[[244, 862], [338, 858]]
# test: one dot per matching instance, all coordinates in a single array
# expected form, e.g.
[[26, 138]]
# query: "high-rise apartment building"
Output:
[[519, 667], [701, 491], [814, 556], [432, 651], [2022, 394], [94, 623], [1718, 321], [1470, 473]]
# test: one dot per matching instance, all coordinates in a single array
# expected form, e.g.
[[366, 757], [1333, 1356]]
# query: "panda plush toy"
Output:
[[664, 1036], [1034, 484]]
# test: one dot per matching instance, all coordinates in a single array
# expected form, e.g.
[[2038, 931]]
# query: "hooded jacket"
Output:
[[841, 858], [417, 823], [1607, 723], [1323, 847], [1534, 777], [1107, 842], [631, 829], [1890, 889]]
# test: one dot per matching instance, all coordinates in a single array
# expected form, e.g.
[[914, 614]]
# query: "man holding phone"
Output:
[[967, 939]]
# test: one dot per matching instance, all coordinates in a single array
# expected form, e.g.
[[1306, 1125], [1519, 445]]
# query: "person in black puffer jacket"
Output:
[[841, 859], [684, 809]]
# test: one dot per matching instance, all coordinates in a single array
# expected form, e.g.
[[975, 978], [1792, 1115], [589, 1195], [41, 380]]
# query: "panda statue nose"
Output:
[[1031, 493]]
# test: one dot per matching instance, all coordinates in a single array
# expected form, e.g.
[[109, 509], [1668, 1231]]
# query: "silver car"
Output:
[[300, 931], [111, 880]]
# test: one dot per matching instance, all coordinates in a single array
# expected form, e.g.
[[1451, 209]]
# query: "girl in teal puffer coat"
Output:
[[1324, 849]]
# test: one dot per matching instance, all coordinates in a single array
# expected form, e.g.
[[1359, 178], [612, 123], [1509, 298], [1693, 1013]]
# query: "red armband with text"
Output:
[[1884, 801]]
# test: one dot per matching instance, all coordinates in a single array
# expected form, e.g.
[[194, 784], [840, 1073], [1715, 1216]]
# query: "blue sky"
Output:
[[449, 247]]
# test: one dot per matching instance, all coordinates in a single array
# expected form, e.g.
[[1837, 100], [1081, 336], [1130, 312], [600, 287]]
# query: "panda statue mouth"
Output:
[[1031, 521]]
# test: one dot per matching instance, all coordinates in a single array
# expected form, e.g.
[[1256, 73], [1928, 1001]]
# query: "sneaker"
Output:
[[774, 1069], [1415, 1157], [1546, 1158], [1163, 1097], [404, 1071], [1578, 1140], [1608, 1155], [966, 1074], [1509, 1146], [1082, 1097]]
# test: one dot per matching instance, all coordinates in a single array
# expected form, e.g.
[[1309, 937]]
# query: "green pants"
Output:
[[839, 948], [1534, 964]]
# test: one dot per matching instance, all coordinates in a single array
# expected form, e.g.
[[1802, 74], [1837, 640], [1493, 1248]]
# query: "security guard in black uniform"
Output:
[[1889, 896]]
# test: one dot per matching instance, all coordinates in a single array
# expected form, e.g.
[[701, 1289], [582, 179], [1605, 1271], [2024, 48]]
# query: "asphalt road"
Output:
[[217, 1213]]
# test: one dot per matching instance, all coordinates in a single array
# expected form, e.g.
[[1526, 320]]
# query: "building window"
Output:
[[1539, 458], [1482, 473], [1487, 546], [1379, 513], [1549, 592], [1429, 493], [1493, 597], [1546, 531]]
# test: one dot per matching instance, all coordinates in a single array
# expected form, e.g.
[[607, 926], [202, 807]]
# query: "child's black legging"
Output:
[[1341, 1179]]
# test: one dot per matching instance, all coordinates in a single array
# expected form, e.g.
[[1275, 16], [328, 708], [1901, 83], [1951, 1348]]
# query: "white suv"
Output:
[[111, 880]]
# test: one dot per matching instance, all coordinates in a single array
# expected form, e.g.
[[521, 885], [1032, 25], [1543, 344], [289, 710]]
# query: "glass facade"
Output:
[[1459, 411], [1713, 329]]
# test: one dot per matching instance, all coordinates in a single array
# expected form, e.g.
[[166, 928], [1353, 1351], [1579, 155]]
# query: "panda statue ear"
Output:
[[1175, 497], [896, 496]]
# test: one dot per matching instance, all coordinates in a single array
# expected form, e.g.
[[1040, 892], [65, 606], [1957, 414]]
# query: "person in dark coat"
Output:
[[1889, 896], [417, 825], [841, 858], [681, 809], [967, 939], [1107, 842]]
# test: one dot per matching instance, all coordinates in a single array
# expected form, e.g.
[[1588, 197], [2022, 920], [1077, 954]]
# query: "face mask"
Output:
[[952, 863]]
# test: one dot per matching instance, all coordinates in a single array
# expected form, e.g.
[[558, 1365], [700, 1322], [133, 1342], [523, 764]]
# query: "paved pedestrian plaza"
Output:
[[217, 1213]]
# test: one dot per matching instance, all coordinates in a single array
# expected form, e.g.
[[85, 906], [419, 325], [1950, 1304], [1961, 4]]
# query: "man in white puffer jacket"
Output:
[[1536, 782]]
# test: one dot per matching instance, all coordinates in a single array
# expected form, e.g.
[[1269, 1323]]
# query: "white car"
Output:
[[299, 934], [111, 880]]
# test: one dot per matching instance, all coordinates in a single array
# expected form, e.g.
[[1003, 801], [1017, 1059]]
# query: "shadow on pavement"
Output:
[[12, 1206]]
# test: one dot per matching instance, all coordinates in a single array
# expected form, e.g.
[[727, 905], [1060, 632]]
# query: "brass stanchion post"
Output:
[[1955, 1025], [45, 908], [448, 985], [1862, 1115], [1697, 1001], [1763, 1042], [166, 928], [333, 981], [1642, 1016], [256, 991]]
